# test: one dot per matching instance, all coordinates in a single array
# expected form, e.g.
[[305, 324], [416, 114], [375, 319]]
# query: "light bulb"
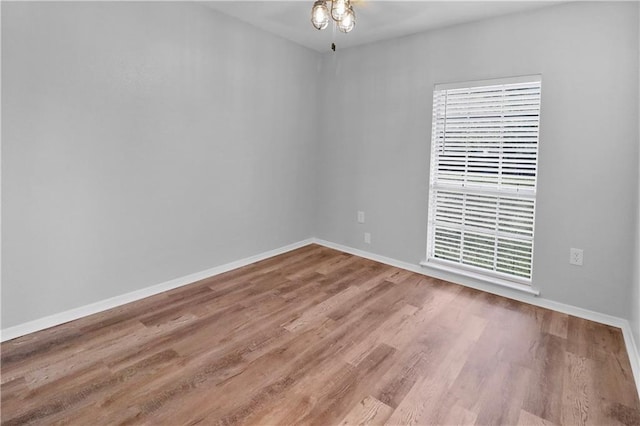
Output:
[[348, 21], [339, 9], [320, 15]]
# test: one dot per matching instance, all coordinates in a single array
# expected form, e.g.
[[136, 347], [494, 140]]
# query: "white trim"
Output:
[[73, 314], [451, 227], [481, 277], [511, 291], [632, 350], [623, 324], [103, 305]]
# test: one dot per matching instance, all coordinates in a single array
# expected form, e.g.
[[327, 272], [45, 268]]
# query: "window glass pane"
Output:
[[484, 160]]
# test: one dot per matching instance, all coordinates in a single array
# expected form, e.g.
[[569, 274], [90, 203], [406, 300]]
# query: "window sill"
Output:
[[491, 280]]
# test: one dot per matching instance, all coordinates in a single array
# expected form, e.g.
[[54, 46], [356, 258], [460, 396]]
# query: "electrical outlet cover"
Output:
[[576, 256]]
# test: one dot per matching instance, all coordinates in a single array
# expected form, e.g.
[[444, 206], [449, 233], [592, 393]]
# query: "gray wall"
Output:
[[147, 141], [635, 283], [375, 148], [142, 142]]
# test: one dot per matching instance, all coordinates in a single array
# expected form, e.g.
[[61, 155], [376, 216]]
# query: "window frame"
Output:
[[477, 272]]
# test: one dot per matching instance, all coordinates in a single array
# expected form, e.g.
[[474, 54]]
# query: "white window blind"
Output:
[[482, 191]]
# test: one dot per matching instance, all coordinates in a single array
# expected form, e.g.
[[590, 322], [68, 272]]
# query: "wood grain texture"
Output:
[[320, 337]]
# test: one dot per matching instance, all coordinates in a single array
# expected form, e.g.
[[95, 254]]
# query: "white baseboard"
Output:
[[73, 314], [623, 324], [103, 305], [634, 353]]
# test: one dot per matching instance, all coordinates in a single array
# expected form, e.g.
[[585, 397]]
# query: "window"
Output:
[[482, 189]]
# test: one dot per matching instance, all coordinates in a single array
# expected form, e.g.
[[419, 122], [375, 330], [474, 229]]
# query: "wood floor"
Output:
[[321, 337]]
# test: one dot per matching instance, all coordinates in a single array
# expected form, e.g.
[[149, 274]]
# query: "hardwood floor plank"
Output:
[[529, 419], [593, 340], [398, 381], [559, 324], [72, 355], [502, 397], [428, 397], [320, 311], [577, 395], [346, 392], [361, 299], [457, 415], [614, 374], [369, 411], [320, 337], [544, 397], [357, 352], [433, 306], [300, 363]]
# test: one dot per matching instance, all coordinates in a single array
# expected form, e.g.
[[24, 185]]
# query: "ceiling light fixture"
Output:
[[341, 12]]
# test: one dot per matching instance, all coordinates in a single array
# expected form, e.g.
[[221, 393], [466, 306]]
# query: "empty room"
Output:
[[331, 212]]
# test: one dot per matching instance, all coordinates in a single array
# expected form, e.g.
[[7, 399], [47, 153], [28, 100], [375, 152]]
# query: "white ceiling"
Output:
[[376, 20]]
